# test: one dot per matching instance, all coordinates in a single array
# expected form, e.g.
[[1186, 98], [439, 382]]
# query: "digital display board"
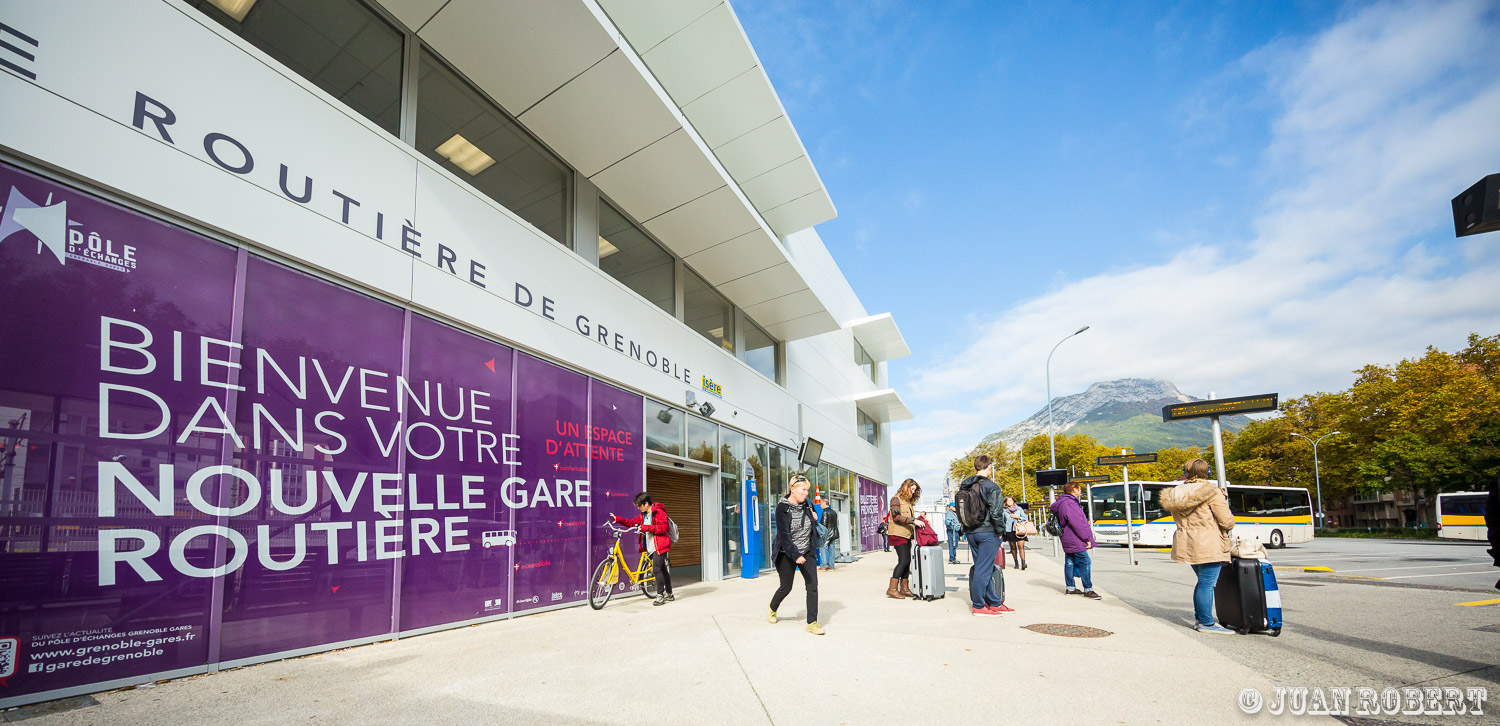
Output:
[[1096, 479], [1051, 477], [1126, 459], [1220, 407]]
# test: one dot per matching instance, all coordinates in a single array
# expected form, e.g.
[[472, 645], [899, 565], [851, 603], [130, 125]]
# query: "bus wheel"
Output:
[[1277, 540]]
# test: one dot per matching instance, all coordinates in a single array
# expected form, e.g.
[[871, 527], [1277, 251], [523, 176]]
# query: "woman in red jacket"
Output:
[[654, 539]]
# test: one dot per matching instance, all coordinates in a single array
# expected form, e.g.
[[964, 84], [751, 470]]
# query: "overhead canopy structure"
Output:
[[698, 148], [880, 337], [883, 406]]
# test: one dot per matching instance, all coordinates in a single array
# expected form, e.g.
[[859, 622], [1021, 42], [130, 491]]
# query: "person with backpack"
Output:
[[830, 522], [1014, 516], [1077, 539], [983, 519], [900, 530], [656, 539], [955, 530], [1202, 537], [796, 539]]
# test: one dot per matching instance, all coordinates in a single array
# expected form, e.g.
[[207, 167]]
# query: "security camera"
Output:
[[707, 409]]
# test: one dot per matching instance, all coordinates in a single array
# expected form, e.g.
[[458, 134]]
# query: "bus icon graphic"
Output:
[[498, 538]]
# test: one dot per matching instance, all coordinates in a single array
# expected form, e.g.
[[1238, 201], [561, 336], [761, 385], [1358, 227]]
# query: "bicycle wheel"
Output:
[[648, 580], [603, 584]]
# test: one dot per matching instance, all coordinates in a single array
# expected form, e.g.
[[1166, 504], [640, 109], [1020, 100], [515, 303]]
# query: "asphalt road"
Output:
[[1384, 613]]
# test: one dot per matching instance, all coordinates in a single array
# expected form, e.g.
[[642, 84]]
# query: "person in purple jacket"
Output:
[[1077, 540]]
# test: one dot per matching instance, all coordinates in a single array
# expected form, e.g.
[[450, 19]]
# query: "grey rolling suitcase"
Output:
[[997, 581], [927, 572]]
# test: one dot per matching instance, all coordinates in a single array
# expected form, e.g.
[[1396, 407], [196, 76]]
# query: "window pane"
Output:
[[707, 311], [664, 428], [760, 351], [702, 440], [339, 45], [628, 255], [470, 137], [866, 427]]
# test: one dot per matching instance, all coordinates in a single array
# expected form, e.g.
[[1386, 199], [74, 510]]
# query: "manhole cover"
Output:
[[1489, 629], [1067, 631]]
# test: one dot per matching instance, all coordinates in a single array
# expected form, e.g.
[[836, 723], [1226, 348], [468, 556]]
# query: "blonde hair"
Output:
[[799, 481]]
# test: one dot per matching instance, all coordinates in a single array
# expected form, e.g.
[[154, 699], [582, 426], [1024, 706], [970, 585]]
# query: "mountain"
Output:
[[1122, 413]]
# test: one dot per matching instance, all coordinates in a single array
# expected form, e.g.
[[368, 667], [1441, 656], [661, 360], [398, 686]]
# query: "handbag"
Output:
[[1025, 528]]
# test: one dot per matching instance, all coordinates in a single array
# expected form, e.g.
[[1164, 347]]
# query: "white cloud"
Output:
[[1385, 117]]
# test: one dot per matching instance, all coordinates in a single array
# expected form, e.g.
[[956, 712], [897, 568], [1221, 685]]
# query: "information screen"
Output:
[[1220, 407]]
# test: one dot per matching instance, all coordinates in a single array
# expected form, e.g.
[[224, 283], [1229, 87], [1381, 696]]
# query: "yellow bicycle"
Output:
[[607, 574]]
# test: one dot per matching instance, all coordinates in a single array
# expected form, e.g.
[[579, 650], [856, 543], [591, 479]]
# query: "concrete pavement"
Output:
[[712, 658]]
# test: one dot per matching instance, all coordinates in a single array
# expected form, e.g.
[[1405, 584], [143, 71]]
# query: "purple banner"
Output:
[[617, 465], [99, 386], [873, 505], [551, 492], [210, 457]]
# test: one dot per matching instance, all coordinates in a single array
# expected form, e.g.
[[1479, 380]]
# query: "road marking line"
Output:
[[1443, 574], [1477, 603], [1414, 567], [1311, 568]]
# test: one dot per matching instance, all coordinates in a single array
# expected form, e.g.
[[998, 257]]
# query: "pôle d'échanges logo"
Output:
[[64, 238]]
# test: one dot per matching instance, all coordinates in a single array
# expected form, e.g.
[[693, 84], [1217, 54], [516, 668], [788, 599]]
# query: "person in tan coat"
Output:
[[1202, 537], [901, 530]]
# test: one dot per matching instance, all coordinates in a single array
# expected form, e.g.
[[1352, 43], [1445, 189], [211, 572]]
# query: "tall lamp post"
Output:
[[1317, 476], [1051, 441]]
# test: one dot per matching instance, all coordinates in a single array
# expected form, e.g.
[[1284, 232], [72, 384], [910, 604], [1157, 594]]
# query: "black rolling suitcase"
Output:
[[1242, 594]]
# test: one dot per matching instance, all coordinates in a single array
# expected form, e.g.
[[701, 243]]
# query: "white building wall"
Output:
[[78, 119]]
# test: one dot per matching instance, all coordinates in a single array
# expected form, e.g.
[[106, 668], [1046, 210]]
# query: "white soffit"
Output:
[[883, 406], [518, 52], [879, 336], [701, 57]]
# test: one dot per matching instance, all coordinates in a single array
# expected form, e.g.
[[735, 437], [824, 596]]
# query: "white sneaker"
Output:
[[1215, 628]]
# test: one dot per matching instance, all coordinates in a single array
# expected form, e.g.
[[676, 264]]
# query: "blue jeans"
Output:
[[1203, 592], [984, 545], [1078, 563], [953, 537], [826, 555]]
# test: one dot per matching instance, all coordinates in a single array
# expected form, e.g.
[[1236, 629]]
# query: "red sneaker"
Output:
[[985, 612], [1001, 608]]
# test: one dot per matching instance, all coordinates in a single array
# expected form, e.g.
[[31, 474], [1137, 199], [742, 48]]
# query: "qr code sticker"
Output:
[[7, 657]]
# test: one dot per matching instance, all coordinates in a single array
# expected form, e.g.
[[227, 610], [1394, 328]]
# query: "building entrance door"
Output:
[[680, 493]]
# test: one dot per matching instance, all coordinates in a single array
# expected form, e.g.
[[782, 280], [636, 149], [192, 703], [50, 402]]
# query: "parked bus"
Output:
[[1277, 516], [1461, 516]]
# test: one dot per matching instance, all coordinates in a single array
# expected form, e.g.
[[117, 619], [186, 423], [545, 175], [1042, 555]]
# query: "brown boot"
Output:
[[893, 591], [906, 588]]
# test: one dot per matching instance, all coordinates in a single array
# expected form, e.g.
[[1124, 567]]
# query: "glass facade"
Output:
[[731, 480], [760, 350], [702, 439], [707, 311], [867, 428], [664, 428], [628, 255], [460, 129], [340, 45]]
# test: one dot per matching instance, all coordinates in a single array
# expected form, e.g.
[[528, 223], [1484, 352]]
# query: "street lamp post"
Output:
[[1051, 441], [1317, 476]]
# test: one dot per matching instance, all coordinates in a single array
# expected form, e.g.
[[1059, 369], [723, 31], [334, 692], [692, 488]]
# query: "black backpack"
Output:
[[973, 511], [1053, 528]]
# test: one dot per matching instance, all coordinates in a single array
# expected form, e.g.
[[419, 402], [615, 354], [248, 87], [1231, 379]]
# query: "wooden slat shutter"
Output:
[[679, 493]]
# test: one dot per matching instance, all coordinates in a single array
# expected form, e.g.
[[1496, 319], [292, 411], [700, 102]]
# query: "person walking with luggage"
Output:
[[955, 530], [830, 523], [796, 539], [1014, 516], [900, 531], [656, 540], [982, 515], [1077, 539], [884, 530], [1202, 537]]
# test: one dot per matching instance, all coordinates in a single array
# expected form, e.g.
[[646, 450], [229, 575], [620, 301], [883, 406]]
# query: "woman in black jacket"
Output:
[[796, 539]]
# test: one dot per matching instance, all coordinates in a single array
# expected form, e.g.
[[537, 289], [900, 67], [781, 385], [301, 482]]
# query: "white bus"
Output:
[[1461, 516], [1277, 516]]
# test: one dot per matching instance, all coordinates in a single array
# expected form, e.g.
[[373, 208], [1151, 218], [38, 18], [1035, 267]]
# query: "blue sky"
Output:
[[1241, 197]]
